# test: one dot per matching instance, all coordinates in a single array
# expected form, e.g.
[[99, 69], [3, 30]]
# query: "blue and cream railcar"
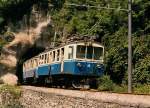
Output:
[[30, 67], [74, 62]]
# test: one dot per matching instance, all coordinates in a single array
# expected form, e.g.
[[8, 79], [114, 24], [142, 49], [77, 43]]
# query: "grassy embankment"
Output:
[[106, 84], [10, 96]]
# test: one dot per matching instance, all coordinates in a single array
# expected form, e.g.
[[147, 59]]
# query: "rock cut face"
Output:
[[12, 51], [9, 79]]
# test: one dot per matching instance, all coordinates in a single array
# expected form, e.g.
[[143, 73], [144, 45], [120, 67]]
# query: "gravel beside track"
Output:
[[126, 100]]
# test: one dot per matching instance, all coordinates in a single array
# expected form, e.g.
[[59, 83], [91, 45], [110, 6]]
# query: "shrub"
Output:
[[142, 89], [120, 88], [105, 83], [142, 74]]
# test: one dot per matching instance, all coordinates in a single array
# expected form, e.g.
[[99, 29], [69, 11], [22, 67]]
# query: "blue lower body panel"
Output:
[[49, 69], [43, 70], [55, 69], [83, 68], [71, 67]]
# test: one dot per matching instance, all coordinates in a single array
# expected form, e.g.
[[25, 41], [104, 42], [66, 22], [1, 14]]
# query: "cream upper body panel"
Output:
[[60, 54]]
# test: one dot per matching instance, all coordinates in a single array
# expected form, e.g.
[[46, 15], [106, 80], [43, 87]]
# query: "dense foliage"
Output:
[[110, 26], [9, 12]]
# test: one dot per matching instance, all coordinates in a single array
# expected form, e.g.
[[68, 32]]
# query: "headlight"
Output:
[[79, 65], [99, 65]]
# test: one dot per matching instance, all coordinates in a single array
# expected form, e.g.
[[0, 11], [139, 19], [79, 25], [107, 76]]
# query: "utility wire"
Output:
[[129, 11], [97, 7]]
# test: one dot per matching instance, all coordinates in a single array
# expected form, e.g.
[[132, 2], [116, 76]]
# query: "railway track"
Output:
[[89, 90]]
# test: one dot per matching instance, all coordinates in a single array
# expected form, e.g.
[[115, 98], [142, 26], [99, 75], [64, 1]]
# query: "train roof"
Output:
[[76, 42]]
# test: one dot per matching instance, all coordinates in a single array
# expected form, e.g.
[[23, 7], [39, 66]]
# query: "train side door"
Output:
[[62, 59]]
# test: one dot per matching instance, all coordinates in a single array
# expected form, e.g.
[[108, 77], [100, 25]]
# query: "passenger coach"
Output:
[[76, 64]]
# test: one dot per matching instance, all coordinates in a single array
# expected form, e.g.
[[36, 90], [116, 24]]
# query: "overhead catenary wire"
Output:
[[129, 11], [97, 7]]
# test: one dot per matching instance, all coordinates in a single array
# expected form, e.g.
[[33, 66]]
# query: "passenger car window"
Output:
[[58, 55], [53, 55], [62, 53]]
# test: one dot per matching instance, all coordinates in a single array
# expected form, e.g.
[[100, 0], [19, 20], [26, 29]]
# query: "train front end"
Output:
[[89, 59], [86, 63]]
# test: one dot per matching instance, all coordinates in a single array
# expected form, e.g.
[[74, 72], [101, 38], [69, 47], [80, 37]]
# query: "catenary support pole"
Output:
[[129, 46], [129, 10]]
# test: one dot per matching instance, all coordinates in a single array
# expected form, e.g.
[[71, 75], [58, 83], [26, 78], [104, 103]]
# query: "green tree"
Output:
[[111, 27]]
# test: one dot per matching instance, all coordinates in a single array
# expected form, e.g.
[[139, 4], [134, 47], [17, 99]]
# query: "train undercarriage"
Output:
[[64, 81]]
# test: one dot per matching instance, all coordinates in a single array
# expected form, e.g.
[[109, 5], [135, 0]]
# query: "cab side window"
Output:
[[70, 52]]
